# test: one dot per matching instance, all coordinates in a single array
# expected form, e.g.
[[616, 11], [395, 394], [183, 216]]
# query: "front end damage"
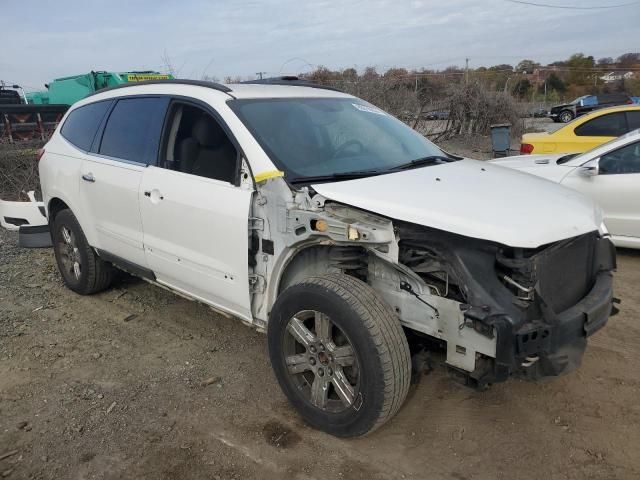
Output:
[[539, 305], [499, 311]]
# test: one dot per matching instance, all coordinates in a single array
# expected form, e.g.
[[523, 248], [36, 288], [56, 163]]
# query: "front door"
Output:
[[195, 213], [616, 189]]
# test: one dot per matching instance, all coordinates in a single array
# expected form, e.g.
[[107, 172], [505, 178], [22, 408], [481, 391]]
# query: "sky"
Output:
[[42, 40]]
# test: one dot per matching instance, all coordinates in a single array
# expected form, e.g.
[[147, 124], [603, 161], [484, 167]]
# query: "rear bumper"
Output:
[[13, 215]]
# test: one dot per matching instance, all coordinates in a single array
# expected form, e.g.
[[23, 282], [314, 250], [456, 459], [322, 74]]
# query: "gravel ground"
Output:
[[136, 382]]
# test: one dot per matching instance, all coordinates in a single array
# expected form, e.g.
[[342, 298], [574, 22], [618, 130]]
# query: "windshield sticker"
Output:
[[366, 108]]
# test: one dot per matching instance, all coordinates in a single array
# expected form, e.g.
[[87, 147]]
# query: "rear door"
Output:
[[111, 174], [195, 211]]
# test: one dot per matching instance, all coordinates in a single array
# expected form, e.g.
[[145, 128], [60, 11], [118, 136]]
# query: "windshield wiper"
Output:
[[336, 176], [424, 161]]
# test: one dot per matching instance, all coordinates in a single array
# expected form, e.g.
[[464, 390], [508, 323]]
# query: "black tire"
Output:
[[94, 274], [565, 116], [377, 339]]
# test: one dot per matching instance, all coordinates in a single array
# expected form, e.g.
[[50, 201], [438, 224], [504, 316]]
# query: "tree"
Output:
[[350, 74], [502, 67], [627, 60], [581, 69], [554, 82], [522, 88], [605, 61], [527, 66], [370, 73]]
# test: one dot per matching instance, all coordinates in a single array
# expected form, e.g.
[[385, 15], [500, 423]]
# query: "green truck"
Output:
[[35, 115], [68, 90]]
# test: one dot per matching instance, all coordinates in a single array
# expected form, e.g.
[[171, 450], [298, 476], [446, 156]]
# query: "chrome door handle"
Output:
[[88, 177]]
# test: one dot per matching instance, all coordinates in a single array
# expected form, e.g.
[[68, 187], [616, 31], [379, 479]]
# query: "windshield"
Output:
[[318, 137], [577, 100]]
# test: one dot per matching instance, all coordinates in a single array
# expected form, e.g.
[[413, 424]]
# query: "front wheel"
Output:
[[339, 354]]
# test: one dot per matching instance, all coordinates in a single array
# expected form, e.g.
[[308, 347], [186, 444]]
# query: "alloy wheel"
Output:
[[322, 362]]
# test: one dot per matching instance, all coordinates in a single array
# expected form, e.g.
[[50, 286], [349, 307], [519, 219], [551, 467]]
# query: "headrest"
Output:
[[207, 132]]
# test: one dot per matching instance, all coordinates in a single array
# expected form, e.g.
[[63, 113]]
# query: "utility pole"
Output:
[[466, 70]]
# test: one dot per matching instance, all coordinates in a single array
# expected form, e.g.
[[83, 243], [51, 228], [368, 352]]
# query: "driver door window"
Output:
[[196, 144], [623, 160]]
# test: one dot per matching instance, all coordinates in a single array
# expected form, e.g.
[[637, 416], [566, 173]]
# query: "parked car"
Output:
[[609, 173], [347, 236], [587, 103], [436, 115], [585, 132]]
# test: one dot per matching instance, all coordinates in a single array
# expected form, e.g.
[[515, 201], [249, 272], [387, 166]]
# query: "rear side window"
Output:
[[133, 129], [634, 120], [610, 125], [81, 125]]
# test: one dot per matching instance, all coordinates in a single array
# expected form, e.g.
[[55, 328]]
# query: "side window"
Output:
[[634, 120], [610, 125], [133, 129], [81, 125], [623, 160], [196, 144]]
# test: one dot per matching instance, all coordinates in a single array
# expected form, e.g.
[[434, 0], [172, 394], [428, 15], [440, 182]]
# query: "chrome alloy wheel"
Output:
[[322, 362], [69, 253]]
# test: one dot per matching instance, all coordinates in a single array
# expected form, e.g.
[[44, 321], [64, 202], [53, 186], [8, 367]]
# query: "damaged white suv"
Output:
[[351, 239]]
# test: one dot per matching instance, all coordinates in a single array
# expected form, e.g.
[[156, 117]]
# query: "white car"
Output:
[[352, 240], [609, 174]]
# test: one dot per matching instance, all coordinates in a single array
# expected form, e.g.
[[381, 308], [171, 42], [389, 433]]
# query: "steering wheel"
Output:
[[345, 146]]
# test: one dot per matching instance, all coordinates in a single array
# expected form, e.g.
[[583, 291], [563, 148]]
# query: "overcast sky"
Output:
[[44, 40]]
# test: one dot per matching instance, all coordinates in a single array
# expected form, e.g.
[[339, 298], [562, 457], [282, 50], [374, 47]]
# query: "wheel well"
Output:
[[322, 259], [55, 206]]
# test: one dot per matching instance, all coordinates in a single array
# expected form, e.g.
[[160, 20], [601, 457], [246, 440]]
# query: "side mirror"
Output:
[[591, 168]]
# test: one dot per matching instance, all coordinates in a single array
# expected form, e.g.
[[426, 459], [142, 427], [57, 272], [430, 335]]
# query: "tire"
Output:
[[70, 248], [565, 116], [378, 368]]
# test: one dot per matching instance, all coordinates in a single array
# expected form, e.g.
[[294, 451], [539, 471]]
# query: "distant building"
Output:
[[616, 76]]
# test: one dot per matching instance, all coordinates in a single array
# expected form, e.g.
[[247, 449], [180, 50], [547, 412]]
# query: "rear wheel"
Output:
[[339, 354], [565, 116], [81, 269]]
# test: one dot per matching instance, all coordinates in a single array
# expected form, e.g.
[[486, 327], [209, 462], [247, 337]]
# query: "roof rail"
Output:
[[173, 81], [290, 80]]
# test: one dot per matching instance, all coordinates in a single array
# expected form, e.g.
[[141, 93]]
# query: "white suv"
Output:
[[352, 240]]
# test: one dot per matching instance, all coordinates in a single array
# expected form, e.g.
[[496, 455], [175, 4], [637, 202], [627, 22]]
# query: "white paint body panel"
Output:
[[195, 237], [618, 195], [28, 211], [475, 199], [111, 204]]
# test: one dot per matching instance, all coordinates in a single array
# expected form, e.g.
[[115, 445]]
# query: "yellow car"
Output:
[[585, 132]]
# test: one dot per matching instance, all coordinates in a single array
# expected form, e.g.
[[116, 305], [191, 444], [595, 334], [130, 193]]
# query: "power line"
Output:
[[569, 7]]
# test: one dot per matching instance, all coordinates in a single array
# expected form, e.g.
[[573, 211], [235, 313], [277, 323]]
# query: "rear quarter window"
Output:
[[82, 124]]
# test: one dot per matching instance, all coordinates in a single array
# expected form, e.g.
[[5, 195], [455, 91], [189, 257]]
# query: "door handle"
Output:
[[88, 177]]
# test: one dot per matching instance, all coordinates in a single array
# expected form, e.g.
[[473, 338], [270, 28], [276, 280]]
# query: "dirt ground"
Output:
[[138, 383]]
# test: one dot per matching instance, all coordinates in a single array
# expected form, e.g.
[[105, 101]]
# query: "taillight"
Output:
[[39, 154], [526, 148]]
